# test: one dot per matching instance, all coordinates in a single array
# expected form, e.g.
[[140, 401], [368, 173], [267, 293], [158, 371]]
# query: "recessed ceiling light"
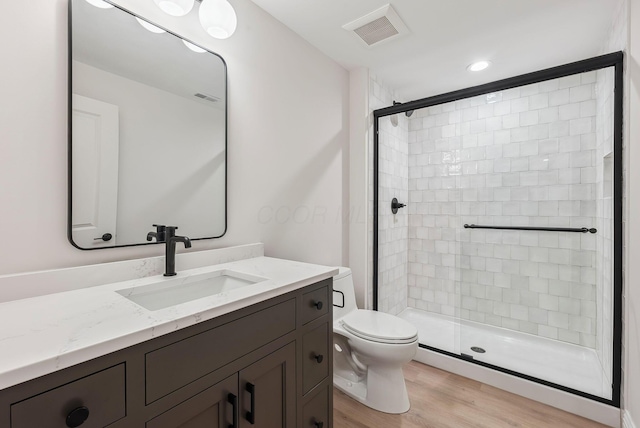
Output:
[[479, 66]]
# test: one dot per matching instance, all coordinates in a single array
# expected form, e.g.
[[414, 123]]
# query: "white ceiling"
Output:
[[517, 36]]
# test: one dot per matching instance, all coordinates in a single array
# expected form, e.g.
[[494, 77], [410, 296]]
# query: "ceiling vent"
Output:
[[379, 26], [207, 97]]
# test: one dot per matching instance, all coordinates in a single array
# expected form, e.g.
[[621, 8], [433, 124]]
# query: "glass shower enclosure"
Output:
[[508, 252]]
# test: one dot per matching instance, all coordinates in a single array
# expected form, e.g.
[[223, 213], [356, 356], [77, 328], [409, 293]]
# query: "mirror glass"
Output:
[[147, 131]]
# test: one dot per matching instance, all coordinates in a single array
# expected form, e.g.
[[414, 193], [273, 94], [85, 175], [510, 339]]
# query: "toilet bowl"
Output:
[[370, 348]]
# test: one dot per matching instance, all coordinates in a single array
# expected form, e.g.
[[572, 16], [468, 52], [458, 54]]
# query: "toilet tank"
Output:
[[343, 293]]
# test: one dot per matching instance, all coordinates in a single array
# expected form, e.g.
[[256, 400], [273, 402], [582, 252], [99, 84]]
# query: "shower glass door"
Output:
[[511, 220]]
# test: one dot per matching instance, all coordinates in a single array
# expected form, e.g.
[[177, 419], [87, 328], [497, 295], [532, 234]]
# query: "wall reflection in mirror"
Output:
[[148, 131]]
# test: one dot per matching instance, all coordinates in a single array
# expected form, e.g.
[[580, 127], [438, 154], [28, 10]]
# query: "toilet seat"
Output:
[[379, 327]]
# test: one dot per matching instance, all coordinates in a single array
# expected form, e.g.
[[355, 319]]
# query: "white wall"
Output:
[[631, 355], [288, 133], [171, 158], [361, 219]]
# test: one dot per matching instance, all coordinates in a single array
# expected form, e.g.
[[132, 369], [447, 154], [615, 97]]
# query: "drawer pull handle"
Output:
[[318, 358], [233, 399], [77, 416], [318, 305], [318, 424], [251, 415]]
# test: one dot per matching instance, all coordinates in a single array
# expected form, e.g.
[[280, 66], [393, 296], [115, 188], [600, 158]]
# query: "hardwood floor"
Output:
[[441, 399]]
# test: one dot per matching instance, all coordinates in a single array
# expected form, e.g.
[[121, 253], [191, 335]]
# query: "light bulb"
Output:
[[175, 7], [218, 18], [193, 47], [99, 3], [150, 27], [478, 66]]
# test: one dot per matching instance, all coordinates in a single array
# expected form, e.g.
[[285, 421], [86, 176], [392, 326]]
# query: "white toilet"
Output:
[[370, 348]]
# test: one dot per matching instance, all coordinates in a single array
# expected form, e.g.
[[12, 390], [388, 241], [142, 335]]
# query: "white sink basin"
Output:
[[167, 292]]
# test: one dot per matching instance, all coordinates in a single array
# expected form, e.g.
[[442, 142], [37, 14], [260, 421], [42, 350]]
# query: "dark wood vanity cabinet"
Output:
[[265, 366], [215, 407]]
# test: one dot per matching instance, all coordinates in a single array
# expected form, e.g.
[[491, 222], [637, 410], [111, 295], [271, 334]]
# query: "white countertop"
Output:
[[40, 335]]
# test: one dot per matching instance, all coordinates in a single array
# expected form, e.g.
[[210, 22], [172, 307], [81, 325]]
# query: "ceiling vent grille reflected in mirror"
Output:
[[379, 26], [207, 97]]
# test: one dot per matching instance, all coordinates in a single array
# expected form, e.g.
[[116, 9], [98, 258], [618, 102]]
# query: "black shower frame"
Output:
[[604, 61]]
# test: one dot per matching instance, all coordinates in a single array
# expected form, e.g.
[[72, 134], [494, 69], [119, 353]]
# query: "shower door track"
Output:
[[609, 60]]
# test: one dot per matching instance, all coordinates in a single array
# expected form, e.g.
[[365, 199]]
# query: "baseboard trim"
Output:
[[599, 412], [627, 422]]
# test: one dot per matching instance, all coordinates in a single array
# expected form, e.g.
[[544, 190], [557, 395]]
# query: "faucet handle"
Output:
[[170, 231], [159, 234]]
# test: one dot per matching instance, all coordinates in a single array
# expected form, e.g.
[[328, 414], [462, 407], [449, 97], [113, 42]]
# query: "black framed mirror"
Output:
[[147, 131]]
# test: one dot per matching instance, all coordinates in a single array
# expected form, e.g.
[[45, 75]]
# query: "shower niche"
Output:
[[508, 253]]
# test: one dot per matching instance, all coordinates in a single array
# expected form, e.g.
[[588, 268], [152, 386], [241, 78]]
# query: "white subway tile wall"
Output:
[[533, 158], [393, 183], [604, 217]]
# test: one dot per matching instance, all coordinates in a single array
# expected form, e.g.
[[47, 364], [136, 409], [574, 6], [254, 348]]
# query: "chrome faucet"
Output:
[[171, 240]]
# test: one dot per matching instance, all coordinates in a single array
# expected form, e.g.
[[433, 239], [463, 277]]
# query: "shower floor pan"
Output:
[[562, 363]]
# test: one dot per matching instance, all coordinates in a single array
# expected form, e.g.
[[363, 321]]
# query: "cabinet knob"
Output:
[[318, 305], [318, 424], [77, 416], [318, 358]]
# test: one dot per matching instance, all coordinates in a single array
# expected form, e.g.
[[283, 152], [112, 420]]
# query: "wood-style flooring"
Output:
[[441, 399]]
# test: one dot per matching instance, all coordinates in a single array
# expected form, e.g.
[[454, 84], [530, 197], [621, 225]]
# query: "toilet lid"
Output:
[[379, 327]]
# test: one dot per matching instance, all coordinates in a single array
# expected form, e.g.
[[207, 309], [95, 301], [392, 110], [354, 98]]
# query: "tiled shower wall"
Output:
[[604, 216], [523, 156], [393, 183]]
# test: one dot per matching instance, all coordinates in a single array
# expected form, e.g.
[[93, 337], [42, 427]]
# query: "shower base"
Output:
[[561, 363]]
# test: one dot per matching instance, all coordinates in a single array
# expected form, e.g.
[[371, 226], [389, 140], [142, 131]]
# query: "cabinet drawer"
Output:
[[315, 413], [314, 304], [315, 357], [178, 364], [102, 393]]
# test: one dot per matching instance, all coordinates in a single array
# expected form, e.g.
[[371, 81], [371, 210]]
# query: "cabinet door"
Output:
[[214, 407], [268, 391]]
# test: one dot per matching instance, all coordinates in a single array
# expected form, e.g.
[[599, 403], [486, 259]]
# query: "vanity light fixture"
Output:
[[175, 7], [479, 66], [99, 3], [218, 18], [193, 47], [150, 27]]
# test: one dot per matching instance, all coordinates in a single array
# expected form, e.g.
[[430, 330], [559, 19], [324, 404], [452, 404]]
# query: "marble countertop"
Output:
[[43, 334]]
